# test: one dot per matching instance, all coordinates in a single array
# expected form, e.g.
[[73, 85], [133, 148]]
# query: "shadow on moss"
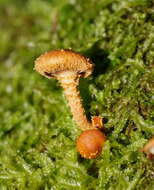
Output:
[[99, 57], [102, 64]]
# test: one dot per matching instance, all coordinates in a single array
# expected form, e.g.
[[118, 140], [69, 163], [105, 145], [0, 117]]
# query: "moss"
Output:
[[37, 134]]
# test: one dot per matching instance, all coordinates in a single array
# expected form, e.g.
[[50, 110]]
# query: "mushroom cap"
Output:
[[149, 147], [53, 62], [90, 142]]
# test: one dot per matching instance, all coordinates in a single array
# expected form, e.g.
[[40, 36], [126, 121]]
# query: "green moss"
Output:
[[37, 134]]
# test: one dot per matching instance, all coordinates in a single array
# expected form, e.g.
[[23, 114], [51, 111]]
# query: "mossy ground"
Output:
[[37, 134]]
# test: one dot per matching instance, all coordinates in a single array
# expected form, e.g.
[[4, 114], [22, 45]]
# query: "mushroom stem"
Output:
[[69, 81]]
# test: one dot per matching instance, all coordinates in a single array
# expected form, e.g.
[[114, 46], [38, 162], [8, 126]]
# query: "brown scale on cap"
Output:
[[67, 67]]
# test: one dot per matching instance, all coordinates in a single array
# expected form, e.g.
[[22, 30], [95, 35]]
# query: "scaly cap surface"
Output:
[[57, 61]]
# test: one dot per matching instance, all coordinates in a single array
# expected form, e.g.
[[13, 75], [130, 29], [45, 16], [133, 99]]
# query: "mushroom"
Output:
[[67, 67], [149, 148], [90, 143]]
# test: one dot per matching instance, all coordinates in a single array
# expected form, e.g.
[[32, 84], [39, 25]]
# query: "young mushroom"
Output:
[[149, 148], [90, 143], [67, 67]]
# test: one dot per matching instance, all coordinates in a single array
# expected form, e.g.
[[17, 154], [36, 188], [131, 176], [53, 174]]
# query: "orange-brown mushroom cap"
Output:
[[57, 61], [149, 149], [90, 143]]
